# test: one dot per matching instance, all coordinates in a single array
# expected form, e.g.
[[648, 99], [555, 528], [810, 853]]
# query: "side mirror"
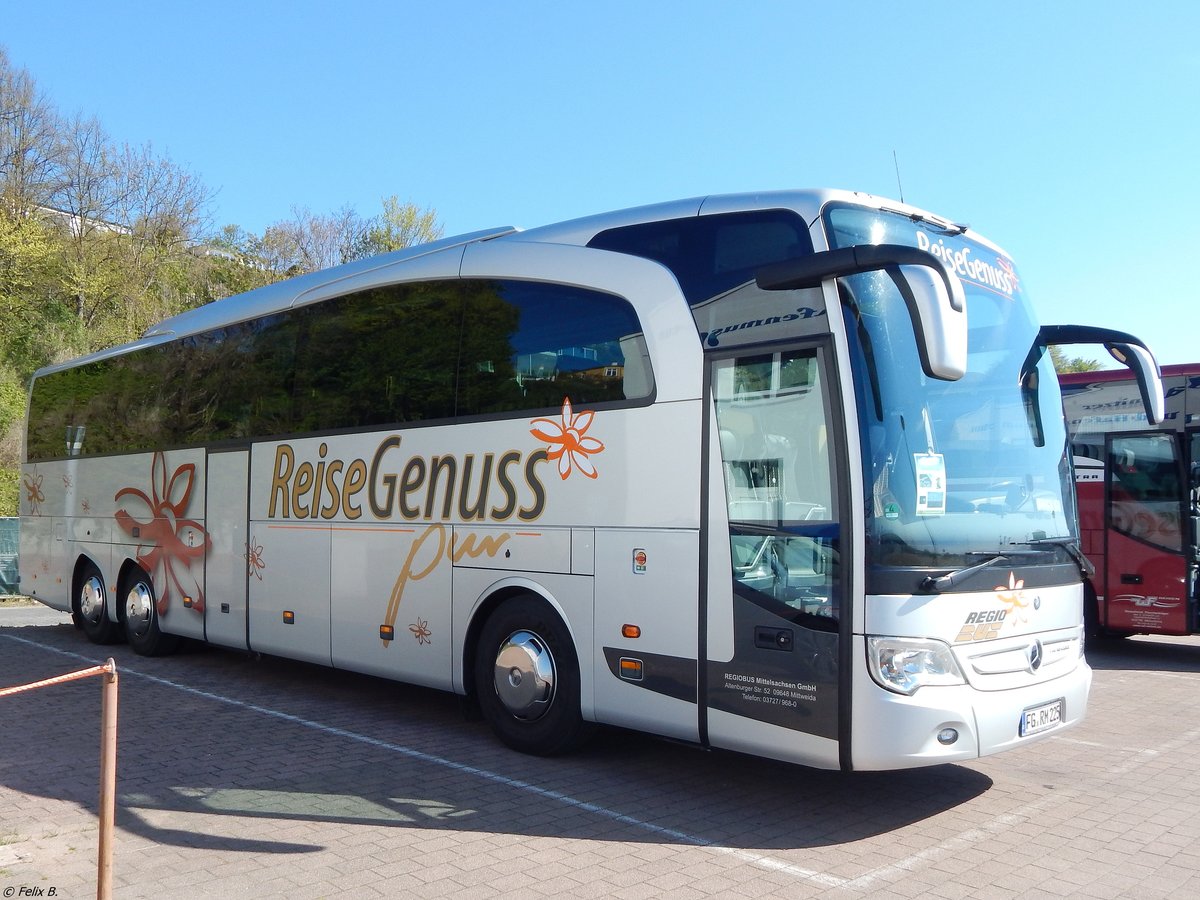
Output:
[[1149, 378], [931, 290], [1125, 349]]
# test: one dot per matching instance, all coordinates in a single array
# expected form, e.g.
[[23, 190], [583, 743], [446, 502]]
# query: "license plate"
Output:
[[1041, 718]]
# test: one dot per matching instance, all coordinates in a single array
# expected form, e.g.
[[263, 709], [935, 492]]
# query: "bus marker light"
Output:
[[947, 736], [631, 631], [289, 617], [631, 669], [387, 632], [187, 602]]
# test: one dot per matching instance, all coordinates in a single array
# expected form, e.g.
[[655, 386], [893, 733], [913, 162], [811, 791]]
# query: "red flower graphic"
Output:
[[170, 543], [420, 630], [33, 491], [254, 559]]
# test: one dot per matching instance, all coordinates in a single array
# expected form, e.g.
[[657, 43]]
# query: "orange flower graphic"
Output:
[[568, 440], [33, 491], [171, 544], [1011, 597]]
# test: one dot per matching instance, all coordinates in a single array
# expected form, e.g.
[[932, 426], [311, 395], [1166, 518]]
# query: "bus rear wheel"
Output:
[[141, 617], [527, 678], [90, 609]]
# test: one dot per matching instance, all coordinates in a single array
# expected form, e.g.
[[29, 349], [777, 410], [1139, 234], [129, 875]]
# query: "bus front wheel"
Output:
[[141, 617], [527, 678], [90, 609]]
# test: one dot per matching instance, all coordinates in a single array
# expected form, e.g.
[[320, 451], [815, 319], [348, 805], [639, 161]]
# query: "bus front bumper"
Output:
[[946, 724]]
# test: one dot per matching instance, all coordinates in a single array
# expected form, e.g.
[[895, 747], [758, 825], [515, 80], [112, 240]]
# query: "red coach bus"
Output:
[[1138, 489]]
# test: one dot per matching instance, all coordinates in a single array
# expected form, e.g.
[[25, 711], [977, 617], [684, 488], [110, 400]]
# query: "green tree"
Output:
[[12, 414], [308, 241], [131, 216], [232, 262], [400, 225], [37, 323], [30, 145], [1063, 364]]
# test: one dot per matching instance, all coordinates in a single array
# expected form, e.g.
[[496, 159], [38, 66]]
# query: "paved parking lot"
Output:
[[258, 777]]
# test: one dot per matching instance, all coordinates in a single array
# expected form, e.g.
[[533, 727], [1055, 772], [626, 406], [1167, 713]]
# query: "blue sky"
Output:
[[1068, 132]]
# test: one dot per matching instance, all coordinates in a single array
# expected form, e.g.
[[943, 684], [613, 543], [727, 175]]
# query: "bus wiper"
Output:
[[941, 583], [1071, 545]]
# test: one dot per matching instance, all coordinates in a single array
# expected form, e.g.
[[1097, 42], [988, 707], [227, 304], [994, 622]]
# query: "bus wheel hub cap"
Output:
[[524, 675]]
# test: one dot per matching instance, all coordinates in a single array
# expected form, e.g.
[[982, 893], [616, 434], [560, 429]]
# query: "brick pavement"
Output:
[[248, 777]]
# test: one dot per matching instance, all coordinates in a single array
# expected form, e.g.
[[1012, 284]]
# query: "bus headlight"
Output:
[[905, 664]]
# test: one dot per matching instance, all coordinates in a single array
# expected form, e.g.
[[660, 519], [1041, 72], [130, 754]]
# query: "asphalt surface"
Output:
[[241, 776]]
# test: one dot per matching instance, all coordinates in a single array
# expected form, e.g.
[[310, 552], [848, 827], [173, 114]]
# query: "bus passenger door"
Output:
[[774, 597], [1146, 572], [1193, 534], [231, 558]]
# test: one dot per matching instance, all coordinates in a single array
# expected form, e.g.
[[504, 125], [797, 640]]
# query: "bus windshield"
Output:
[[954, 471]]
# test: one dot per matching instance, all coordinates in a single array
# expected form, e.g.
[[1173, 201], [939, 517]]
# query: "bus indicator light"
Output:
[[631, 631]]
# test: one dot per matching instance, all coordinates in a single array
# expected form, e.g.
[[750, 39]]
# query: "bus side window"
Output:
[[1144, 489], [527, 345], [380, 357], [1194, 472]]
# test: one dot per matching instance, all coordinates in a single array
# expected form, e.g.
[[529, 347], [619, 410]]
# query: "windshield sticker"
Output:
[[999, 277], [974, 262], [930, 470]]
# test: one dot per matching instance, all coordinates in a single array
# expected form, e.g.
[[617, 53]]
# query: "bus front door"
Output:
[[1193, 534], [774, 603], [1146, 569]]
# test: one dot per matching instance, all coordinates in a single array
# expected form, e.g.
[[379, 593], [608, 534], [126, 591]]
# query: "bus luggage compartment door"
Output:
[[232, 557]]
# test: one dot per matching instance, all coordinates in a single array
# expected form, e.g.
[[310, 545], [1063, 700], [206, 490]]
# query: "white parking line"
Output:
[[966, 839], [1142, 755]]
